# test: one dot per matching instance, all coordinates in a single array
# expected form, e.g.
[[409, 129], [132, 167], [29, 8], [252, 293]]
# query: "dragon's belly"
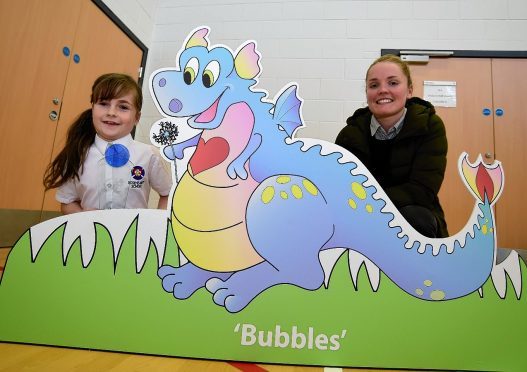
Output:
[[209, 224]]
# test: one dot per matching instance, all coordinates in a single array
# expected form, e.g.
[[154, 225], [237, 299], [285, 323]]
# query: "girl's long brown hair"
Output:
[[81, 133]]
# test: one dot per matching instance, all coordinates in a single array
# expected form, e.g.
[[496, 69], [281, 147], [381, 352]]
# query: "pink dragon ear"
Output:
[[198, 38], [247, 61]]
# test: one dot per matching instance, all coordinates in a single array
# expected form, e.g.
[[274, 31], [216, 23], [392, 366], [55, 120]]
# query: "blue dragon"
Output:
[[256, 206]]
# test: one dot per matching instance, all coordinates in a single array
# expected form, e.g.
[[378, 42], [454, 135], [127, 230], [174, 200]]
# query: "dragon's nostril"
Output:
[[175, 105], [162, 82]]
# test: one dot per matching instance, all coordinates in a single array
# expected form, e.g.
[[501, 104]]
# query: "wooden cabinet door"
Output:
[[34, 71], [510, 131], [102, 47], [484, 83], [468, 130]]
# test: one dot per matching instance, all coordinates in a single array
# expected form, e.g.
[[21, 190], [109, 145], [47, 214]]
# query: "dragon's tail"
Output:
[[457, 265], [483, 180]]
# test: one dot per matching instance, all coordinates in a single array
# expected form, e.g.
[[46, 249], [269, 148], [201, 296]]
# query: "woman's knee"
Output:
[[421, 219]]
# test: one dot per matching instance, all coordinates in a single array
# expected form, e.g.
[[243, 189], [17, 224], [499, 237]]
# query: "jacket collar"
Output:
[[102, 144], [416, 118]]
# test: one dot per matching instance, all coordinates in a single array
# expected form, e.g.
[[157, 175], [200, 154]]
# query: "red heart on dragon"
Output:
[[208, 154]]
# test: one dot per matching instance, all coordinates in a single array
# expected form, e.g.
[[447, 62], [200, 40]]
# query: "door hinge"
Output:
[[140, 72]]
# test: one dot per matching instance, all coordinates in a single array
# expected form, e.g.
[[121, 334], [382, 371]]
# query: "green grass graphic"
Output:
[[111, 307]]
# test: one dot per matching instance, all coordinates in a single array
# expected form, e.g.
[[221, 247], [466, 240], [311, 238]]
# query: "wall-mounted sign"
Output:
[[440, 93]]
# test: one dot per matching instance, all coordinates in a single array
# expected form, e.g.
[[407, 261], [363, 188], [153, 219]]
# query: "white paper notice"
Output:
[[440, 93]]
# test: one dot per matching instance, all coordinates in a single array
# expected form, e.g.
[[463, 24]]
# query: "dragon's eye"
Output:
[[190, 71], [211, 73]]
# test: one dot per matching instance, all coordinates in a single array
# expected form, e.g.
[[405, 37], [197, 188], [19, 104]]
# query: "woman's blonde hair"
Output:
[[398, 61]]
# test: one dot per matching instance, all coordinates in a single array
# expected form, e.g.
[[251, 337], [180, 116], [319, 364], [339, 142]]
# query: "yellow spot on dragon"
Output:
[[437, 295], [419, 292], [484, 229], [428, 283], [358, 190], [268, 194], [284, 195], [352, 203], [369, 208], [312, 189], [296, 191], [283, 179]]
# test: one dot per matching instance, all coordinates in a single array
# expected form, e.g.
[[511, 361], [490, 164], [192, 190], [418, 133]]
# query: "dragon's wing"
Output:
[[287, 110]]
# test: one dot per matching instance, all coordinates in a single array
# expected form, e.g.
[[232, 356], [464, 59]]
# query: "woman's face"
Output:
[[387, 91]]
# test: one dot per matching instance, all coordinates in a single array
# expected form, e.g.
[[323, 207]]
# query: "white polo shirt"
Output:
[[101, 186]]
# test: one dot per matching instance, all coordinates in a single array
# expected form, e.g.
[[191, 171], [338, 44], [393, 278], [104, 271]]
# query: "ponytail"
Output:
[[81, 135], [68, 162]]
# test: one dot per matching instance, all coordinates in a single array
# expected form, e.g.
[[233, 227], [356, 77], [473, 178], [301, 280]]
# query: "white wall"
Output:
[[326, 45], [137, 15]]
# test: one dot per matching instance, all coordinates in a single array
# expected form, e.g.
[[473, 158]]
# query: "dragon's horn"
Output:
[[247, 61], [198, 38]]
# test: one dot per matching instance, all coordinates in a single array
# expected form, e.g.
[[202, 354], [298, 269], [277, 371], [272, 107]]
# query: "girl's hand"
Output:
[[71, 208]]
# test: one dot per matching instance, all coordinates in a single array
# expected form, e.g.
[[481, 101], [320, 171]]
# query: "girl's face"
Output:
[[387, 91], [115, 118]]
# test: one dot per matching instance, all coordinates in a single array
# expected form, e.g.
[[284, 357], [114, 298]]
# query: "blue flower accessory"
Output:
[[117, 155]]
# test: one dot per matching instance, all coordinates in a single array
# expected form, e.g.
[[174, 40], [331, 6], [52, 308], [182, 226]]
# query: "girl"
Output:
[[101, 166]]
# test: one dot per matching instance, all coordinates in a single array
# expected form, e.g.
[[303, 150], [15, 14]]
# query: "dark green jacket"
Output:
[[416, 165]]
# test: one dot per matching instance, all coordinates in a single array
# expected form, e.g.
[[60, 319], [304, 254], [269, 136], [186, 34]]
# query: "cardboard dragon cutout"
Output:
[[258, 208], [245, 180]]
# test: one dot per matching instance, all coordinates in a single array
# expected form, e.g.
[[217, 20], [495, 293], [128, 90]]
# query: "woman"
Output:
[[402, 141]]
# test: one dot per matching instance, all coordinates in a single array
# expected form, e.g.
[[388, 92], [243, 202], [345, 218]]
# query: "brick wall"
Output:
[[325, 46]]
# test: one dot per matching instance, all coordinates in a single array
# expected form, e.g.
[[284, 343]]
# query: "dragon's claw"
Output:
[[213, 285], [165, 270], [183, 281], [236, 170], [224, 295]]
